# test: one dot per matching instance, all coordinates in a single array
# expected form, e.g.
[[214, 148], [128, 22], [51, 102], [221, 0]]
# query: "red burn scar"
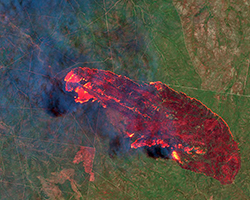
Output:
[[169, 123]]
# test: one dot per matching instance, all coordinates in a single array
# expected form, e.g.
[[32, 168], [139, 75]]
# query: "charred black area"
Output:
[[54, 108], [158, 152], [118, 145], [58, 102]]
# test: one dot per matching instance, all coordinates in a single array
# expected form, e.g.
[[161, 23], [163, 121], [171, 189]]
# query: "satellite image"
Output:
[[124, 99]]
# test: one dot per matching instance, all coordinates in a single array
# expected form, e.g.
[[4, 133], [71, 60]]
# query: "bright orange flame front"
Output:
[[175, 155], [72, 78], [83, 95]]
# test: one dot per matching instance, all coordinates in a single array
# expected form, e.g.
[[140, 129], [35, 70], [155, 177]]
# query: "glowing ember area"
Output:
[[167, 123], [175, 156]]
